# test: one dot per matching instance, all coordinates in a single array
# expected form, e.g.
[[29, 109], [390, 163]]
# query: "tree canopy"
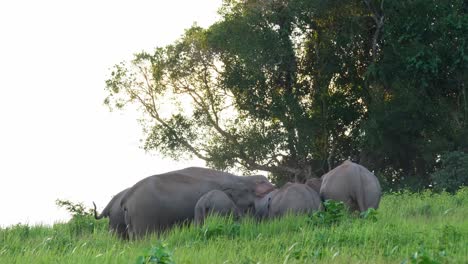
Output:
[[294, 87]]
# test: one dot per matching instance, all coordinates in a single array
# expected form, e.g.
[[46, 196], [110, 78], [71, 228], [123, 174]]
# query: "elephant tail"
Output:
[[96, 216]]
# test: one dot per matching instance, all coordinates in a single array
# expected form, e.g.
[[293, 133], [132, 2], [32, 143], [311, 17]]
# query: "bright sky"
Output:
[[57, 139]]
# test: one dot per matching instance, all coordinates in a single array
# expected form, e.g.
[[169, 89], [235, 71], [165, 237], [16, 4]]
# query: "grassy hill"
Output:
[[412, 227]]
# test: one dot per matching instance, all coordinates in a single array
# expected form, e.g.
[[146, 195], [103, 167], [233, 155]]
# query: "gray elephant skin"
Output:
[[116, 215], [160, 201], [315, 184], [262, 205], [215, 202], [352, 184], [294, 198]]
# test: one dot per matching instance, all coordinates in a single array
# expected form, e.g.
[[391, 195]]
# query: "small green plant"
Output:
[[423, 257], [333, 213], [369, 214], [82, 218], [300, 252], [209, 231], [219, 226], [159, 254]]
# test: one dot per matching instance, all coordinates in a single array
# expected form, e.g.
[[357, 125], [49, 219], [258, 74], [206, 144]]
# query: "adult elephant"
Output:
[[215, 202], [116, 215], [160, 201], [294, 198], [352, 184]]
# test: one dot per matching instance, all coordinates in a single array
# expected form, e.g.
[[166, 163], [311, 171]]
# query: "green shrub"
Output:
[[159, 254], [75, 209], [333, 213], [422, 256], [216, 226], [453, 173], [369, 214], [82, 221]]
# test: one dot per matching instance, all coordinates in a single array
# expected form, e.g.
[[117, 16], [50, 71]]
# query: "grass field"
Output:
[[416, 228]]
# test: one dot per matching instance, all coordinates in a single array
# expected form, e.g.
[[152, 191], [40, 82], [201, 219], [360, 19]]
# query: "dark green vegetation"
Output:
[[294, 87], [412, 227]]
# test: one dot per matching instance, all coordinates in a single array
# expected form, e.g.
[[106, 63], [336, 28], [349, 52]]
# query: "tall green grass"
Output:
[[411, 227]]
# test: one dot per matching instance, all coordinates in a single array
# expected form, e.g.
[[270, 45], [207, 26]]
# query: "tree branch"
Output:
[[152, 111], [378, 18]]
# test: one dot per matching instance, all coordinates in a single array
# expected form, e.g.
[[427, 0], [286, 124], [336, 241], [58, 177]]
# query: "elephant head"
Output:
[[248, 190]]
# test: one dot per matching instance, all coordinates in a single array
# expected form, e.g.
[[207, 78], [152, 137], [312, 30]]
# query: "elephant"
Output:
[[262, 205], [158, 202], [116, 215], [315, 184], [352, 184], [293, 198], [215, 202]]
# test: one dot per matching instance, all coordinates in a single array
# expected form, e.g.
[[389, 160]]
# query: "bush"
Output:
[[82, 221], [334, 212], [75, 209], [159, 254], [216, 226], [453, 173]]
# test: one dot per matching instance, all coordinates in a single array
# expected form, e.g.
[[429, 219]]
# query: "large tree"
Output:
[[293, 87]]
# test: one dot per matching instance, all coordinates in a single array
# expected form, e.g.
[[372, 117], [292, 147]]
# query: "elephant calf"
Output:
[[116, 215], [293, 198], [315, 184], [262, 205], [215, 202], [352, 184]]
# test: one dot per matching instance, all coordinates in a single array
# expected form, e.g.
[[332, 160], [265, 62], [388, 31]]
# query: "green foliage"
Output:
[[402, 230], [82, 221], [75, 209], [450, 235], [159, 254], [295, 87], [423, 257], [419, 90], [216, 226], [369, 214], [453, 173], [334, 212]]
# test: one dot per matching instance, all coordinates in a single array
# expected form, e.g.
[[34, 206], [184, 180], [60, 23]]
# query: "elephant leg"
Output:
[[200, 215], [130, 232], [363, 199]]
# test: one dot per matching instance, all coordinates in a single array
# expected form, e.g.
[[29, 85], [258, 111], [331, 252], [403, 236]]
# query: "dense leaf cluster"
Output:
[[293, 87]]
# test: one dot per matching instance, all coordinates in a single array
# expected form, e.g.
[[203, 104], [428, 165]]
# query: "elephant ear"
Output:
[[263, 187]]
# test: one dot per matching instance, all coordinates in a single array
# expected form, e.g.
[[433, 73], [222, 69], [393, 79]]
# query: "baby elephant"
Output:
[[262, 205], [294, 198], [315, 184], [215, 202]]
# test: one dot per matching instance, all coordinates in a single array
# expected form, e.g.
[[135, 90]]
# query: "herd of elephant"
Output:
[[158, 202]]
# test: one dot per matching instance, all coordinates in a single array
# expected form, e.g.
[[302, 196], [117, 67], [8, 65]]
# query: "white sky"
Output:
[[57, 139]]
